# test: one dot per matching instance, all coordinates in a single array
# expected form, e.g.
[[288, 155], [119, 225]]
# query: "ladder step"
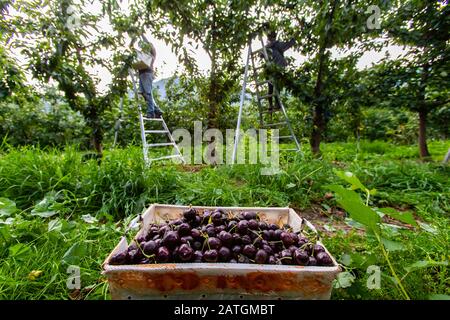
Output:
[[270, 111], [164, 144], [285, 137], [261, 83], [156, 131], [288, 149], [274, 124], [266, 96], [152, 119], [257, 51], [166, 157]]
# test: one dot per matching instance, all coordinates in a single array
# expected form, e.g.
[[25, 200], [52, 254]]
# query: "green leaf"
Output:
[[427, 227], [363, 261], [44, 203], [405, 217], [344, 280], [54, 225], [5, 235], [425, 264], [350, 178], [44, 214], [392, 245], [439, 297], [351, 202], [352, 223], [7, 207], [47, 207], [68, 226], [346, 259], [290, 185], [88, 218], [19, 250], [75, 253], [8, 221]]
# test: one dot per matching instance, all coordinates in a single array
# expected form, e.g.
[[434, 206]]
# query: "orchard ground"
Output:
[[57, 211]]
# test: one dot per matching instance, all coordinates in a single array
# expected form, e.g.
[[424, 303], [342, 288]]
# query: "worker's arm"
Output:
[[283, 46], [153, 52]]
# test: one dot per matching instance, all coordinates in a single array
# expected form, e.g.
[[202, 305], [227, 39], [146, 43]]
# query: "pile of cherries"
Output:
[[217, 236]]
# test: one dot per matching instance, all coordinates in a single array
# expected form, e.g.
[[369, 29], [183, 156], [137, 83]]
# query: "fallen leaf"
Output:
[[33, 275]]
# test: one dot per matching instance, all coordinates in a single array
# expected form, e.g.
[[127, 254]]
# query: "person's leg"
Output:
[[145, 84], [156, 109], [270, 93], [279, 75], [277, 99]]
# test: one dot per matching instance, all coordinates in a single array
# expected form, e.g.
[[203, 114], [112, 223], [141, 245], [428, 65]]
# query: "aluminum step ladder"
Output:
[[258, 60], [164, 130]]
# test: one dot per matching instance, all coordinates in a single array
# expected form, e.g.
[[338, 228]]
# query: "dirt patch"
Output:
[[327, 222], [339, 164], [192, 168], [239, 182], [332, 220]]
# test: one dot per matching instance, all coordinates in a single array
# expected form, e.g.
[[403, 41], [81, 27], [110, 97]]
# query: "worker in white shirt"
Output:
[[146, 80]]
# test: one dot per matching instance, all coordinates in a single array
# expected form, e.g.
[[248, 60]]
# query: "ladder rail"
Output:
[[141, 118], [146, 146], [277, 95], [177, 150], [251, 56], [241, 104], [258, 94]]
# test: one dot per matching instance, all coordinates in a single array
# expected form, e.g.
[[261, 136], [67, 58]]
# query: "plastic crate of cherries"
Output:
[[211, 236]]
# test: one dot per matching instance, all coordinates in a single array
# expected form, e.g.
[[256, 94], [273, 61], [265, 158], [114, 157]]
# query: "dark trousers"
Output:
[[270, 98]]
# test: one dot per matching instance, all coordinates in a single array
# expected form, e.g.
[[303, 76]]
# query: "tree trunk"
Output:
[[423, 147], [93, 122], [423, 112], [212, 92], [212, 98], [97, 140], [319, 125], [318, 128], [318, 118]]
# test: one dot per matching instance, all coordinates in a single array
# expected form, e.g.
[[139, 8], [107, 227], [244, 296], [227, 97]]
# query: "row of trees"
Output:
[[62, 47]]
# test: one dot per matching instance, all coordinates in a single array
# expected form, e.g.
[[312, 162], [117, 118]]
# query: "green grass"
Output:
[[121, 187]]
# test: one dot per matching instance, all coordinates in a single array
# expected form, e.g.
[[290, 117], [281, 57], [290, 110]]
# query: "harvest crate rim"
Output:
[[107, 268], [117, 274]]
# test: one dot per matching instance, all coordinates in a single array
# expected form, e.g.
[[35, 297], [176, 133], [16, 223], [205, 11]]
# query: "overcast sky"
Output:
[[166, 62]]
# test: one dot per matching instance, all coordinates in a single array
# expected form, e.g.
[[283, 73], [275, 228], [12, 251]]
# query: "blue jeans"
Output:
[[146, 87]]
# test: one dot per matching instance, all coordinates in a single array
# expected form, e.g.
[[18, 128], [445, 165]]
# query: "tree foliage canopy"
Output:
[[65, 41]]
